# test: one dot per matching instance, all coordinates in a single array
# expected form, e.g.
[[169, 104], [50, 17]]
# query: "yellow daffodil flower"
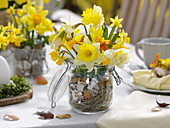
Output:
[[93, 16], [41, 29], [121, 40], [46, 1], [77, 37], [52, 36], [21, 12], [3, 41], [55, 56], [116, 22], [3, 4], [48, 25], [18, 40], [124, 37], [20, 1], [10, 27], [11, 9], [96, 34], [88, 54], [33, 18], [11, 37]]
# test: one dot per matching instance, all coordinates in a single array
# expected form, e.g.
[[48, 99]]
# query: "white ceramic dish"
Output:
[[142, 88]]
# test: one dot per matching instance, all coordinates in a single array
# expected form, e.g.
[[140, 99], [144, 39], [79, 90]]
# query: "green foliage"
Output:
[[98, 72], [18, 86]]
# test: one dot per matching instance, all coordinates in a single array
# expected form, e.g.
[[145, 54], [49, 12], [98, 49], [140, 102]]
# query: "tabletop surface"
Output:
[[25, 111]]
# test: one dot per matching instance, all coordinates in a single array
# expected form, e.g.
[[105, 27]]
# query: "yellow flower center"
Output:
[[117, 23], [37, 19], [87, 53]]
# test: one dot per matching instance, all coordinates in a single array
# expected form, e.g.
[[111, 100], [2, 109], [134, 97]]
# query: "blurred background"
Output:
[[110, 7]]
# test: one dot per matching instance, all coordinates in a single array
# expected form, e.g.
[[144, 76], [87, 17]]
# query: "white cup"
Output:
[[152, 46]]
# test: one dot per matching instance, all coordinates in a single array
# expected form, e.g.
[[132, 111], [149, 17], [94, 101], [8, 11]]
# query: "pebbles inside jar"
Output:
[[90, 92]]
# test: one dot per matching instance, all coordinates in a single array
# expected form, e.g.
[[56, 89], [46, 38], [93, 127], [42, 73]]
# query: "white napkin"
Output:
[[144, 78], [135, 112]]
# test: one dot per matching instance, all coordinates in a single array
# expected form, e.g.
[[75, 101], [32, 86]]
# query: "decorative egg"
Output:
[[5, 72]]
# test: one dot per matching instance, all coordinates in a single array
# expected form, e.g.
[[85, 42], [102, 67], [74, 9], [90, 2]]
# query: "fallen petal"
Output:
[[61, 116], [45, 115], [161, 102], [156, 109], [10, 117], [41, 80]]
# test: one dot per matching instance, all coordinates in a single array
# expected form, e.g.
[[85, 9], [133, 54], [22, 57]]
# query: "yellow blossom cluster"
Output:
[[91, 41], [5, 3], [32, 21], [10, 35]]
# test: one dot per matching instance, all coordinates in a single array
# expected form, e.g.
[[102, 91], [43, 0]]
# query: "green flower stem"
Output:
[[88, 34], [74, 51], [68, 52], [111, 33], [15, 21]]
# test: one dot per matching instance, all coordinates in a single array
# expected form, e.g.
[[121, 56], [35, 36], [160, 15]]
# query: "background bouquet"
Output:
[[31, 20], [4, 4], [29, 51]]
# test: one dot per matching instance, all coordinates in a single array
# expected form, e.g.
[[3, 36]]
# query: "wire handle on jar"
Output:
[[56, 89], [116, 76]]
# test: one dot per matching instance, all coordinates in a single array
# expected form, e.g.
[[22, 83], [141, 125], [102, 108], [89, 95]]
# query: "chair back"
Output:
[[146, 18]]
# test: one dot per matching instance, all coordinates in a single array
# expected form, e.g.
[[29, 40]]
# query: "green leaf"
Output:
[[115, 37], [105, 34], [111, 33]]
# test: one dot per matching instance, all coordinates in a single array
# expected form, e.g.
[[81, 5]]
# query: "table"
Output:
[[40, 102]]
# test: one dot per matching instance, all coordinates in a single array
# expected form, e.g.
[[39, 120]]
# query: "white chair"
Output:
[[146, 18]]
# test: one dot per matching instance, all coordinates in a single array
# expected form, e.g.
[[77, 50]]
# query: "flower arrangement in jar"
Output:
[[30, 51], [91, 50]]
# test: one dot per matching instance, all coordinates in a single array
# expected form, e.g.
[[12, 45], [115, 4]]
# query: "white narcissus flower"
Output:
[[121, 58], [110, 54], [117, 57], [98, 10], [67, 26]]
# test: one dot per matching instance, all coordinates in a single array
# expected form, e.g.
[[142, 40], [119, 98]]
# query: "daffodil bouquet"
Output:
[[94, 43], [31, 20]]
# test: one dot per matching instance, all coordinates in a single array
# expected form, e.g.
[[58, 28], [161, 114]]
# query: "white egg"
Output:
[[5, 72]]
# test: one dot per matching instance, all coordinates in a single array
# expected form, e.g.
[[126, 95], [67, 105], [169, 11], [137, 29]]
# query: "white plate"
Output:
[[142, 88]]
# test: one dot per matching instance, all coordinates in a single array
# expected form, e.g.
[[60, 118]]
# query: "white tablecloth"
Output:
[[40, 102]]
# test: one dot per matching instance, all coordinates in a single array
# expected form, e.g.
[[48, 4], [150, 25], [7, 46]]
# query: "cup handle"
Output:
[[138, 45]]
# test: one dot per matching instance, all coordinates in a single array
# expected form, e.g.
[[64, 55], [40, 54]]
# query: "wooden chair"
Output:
[[146, 18]]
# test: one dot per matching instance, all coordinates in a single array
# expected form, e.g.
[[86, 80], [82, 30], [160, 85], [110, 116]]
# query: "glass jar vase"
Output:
[[29, 62], [90, 92]]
